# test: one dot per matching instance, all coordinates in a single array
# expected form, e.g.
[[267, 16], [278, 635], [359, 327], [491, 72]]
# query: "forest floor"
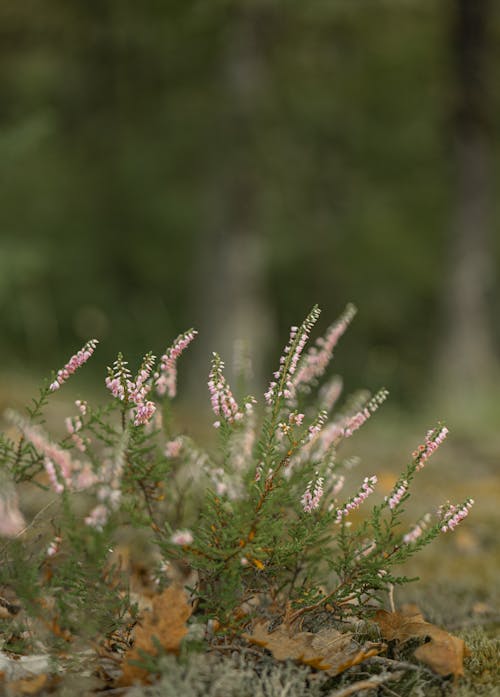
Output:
[[458, 590]]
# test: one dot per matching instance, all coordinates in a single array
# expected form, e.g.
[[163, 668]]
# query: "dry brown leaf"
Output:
[[328, 649], [166, 621], [443, 653], [27, 686]]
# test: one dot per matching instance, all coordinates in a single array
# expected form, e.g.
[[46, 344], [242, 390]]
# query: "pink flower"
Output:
[[98, 517], [356, 421], [433, 440], [74, 363], [318, 357], [417, 530], [182, 537], [311, 499], [367, 488], [317, 425], [284, 385], [121, 385], [330, 393], [54, 546], [397, 495], [221, 397], [455, 515], [144, 412], [173, 448], [166, 378]]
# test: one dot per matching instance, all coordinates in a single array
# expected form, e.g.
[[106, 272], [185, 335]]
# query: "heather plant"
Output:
[[258, 527]]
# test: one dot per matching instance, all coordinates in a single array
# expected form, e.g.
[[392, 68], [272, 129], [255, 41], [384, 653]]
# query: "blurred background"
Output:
[[227, 164]]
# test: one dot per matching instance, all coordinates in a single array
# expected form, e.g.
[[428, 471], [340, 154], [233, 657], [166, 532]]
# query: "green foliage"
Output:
[[260, 523]]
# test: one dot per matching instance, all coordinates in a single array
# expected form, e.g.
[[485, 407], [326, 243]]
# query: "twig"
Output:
[[370, 684], [391, 597]]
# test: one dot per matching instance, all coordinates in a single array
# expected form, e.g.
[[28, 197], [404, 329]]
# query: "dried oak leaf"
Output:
[[443, 653], [166, 621], [328, 649], [28, 686]]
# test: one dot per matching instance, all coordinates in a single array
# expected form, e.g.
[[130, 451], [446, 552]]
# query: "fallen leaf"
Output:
[[481, 608], [27, 686], [328, 649], [443, 653], [166, 621]]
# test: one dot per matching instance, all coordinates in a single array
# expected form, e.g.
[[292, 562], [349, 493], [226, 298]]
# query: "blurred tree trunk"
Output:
[[229, 275], [466, 355]]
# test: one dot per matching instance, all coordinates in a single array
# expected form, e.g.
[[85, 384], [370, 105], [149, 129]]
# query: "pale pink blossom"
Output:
[[74, 363], [433, 440], [182, 537], [54, 546], [319, 356], [173, 448], [455, 515], [134, 391], [357, 420], [221, 397], [329, 393], [81, 405], [339, 484], [312, 496], [317, 425], [417, 530], [397, 495], [63, 471], [295, 418], [144, 411], [367, 488], [284, 384], [98, 517], [166, 378], [73, 425]]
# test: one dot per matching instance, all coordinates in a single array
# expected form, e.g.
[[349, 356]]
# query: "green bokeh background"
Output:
[[154, 154]]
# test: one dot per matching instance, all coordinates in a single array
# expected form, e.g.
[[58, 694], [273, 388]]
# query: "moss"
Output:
[[235, 676]]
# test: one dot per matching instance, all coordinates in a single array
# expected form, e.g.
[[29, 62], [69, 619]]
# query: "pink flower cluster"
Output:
[[417, 530], [173, 448], [329, 393], [455, 514], [367, 488], [54, 546], [397, 495], [182, 537], [317, 425], [356, 421], [283, 385], [73, 425], [221, 397], [73, 364], [119, 382], [109, 492], [433, 440], [166, 378], [98, 517], [311, 499], [318, 357]]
